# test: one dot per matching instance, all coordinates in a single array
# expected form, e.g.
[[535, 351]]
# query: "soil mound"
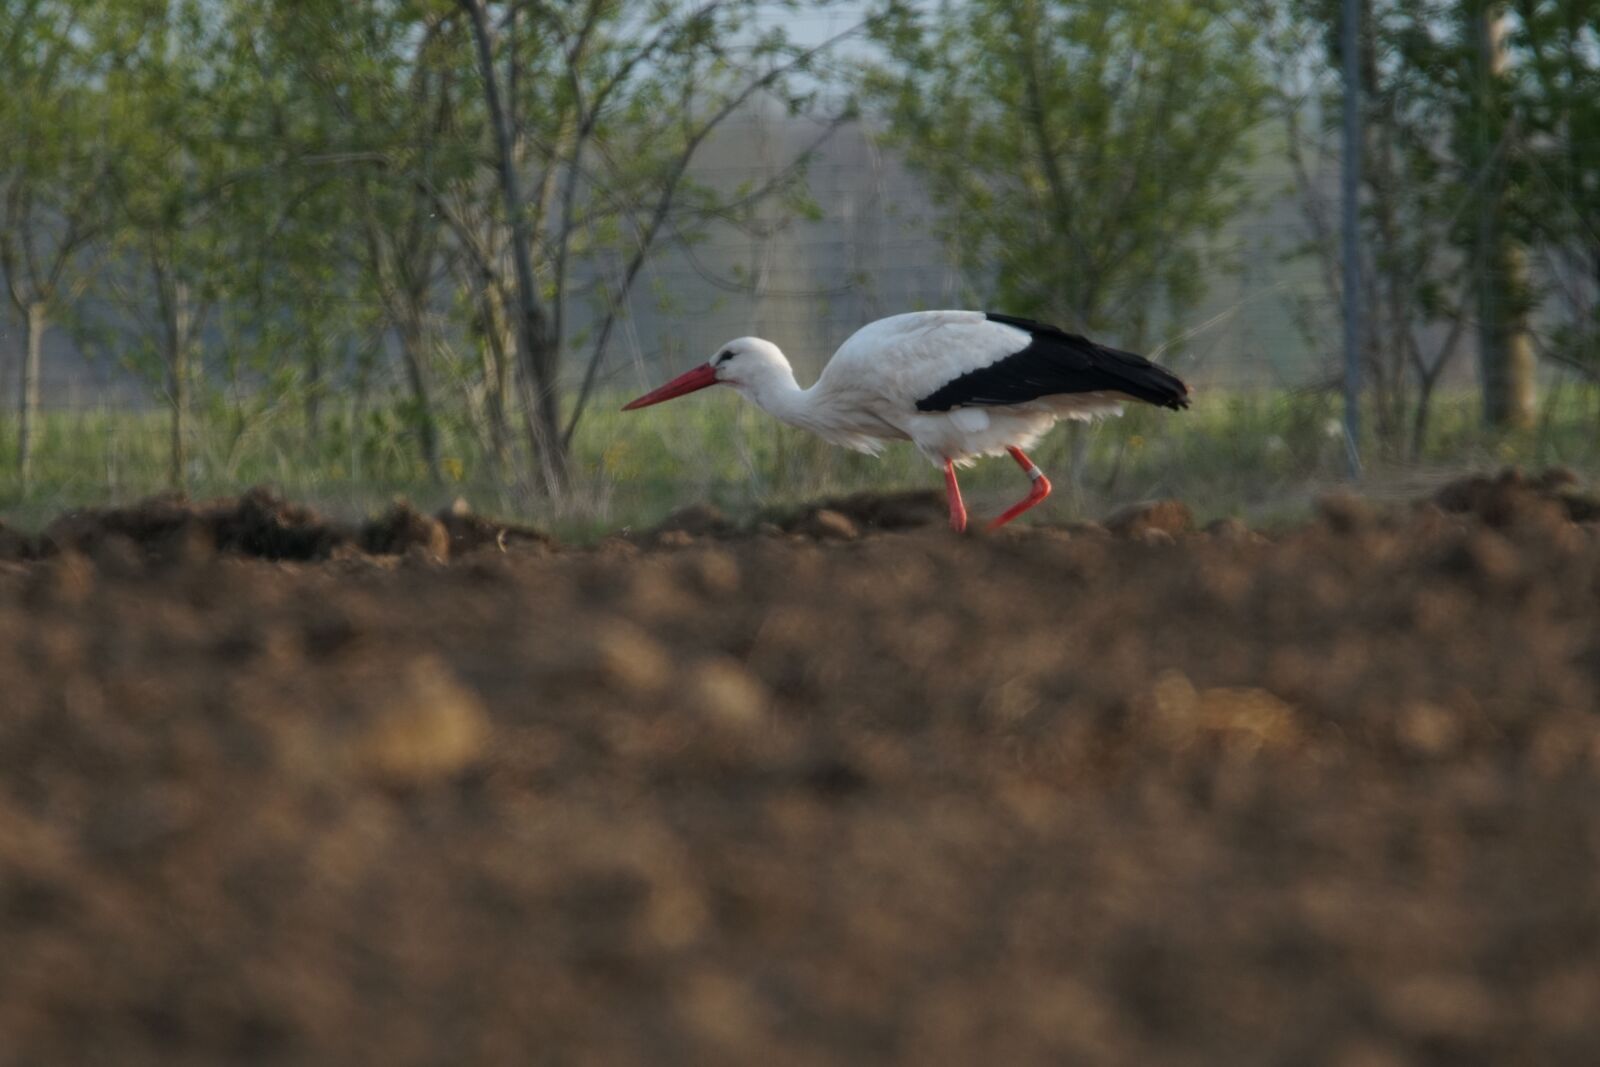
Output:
[[1510, 497], [1066, 796], [262, 525], [875, 511], [470, 532]]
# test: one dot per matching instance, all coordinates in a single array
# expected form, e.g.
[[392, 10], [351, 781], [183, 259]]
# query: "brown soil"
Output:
[[439, 791]]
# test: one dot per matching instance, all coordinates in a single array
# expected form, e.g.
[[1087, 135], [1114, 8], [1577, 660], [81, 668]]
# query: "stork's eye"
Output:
[[723, 357]]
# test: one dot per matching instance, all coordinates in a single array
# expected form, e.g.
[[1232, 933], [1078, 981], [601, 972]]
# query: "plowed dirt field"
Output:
[[841, 789]]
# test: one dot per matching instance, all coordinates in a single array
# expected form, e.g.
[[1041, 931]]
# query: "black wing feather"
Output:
[[1055, 363]]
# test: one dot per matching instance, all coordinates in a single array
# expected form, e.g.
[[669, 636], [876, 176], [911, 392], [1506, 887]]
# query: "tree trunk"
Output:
[[546, 418], [413, 340], [496, 343], [28, 397], [10, 371], [179, 340], [1505, 349], [313, 396], [539, 352], [1421, 415]]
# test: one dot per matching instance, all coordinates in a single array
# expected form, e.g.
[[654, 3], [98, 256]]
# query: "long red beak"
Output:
[[688, 382]]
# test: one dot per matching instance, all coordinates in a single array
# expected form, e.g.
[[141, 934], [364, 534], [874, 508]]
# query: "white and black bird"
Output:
[[957, 384]]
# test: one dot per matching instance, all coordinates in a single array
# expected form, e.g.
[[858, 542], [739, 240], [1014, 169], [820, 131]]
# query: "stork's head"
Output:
[[749, 364]]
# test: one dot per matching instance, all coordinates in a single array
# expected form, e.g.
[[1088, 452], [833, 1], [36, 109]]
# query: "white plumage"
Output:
[[888, 365], [957, 384]]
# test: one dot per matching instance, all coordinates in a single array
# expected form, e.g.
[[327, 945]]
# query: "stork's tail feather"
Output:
[[1071, 363], [1140, 378], [1052, 362]]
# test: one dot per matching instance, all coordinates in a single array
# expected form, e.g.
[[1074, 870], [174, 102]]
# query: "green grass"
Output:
[[1261, 455]]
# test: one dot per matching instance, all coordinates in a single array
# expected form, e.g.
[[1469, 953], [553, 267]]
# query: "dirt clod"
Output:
[[629, 660], [696, 520], [401, 529], [828, 525], [1346, 512], [262, 524], [727, 694], [1231, 530], [1168, 516], [15, 545], [1511, 498], [879, 511], [67, 579], [1428, 730], [1244, 719], [417, 724], [471, 532]]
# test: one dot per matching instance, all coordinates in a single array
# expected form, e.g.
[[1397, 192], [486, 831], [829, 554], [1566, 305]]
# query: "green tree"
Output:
[[496, 154], [1417, 210], [1557, 76], [1080, 153], [57, 143], [604, 105], [372, 126], [1450, 198], [1475, 74], [178, 194], [220, 287]]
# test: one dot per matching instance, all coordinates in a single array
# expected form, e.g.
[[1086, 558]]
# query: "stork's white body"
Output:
[[868, 392], [957, 384]]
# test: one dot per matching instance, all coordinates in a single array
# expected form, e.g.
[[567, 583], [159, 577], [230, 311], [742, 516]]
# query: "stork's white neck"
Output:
[[758, 369], [771, 386]]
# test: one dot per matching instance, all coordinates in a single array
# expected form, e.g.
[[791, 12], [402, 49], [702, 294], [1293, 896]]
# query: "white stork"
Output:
[[957, 384]]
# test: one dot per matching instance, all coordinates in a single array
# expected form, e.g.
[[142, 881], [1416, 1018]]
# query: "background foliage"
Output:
[[391, 246]]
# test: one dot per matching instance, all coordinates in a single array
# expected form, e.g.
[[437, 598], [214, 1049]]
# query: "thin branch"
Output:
[[669, 189], [586, 126]]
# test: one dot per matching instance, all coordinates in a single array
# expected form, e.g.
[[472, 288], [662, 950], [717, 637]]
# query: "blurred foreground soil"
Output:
[[842, 788]]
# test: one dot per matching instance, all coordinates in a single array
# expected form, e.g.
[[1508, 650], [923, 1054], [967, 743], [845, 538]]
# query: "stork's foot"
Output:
[[958, 510], [1040, 489]]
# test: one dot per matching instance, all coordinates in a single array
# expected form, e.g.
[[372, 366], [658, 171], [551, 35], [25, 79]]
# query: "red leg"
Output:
[[1040, 490], [958, 510]]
